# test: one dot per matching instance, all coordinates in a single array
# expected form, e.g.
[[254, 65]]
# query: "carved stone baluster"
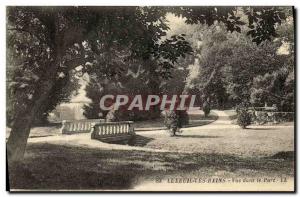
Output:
[[80, 124], [100, 130], [83, 126], [131, 128], [71, 126], [78, 127], [63, 126], [88, 126], [105, 129], [75, 127]]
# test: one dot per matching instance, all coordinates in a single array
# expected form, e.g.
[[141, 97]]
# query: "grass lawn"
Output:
[[214, 150], [52, 166], [252, 142]]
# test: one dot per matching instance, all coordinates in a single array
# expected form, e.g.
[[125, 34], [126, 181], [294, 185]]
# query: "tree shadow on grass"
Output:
[[260, 128], [52, 166], [286, 155], [136, 140], [139, 140]]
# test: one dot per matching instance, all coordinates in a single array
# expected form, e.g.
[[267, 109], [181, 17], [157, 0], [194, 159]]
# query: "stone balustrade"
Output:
[[79, 126], [113, 131]]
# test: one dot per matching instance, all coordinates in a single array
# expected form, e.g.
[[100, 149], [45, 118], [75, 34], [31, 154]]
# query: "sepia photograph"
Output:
[[150, 99]]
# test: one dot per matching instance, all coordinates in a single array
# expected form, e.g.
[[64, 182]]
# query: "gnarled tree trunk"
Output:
[[22, 123], [17, 140]]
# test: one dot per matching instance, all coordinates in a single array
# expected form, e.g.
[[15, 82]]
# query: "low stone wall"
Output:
[[113, 131], [79, 126]]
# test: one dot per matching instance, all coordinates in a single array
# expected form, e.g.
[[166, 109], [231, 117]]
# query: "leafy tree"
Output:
[[230, 62], [243, 118], [277, 86], [206, 108]]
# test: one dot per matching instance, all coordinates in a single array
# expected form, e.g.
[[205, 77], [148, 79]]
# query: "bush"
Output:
[[243, 118], [260, 117], [206, 108], [171, 122], [174, 120]]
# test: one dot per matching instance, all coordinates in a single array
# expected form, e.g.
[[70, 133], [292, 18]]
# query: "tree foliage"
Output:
[[233, 69]]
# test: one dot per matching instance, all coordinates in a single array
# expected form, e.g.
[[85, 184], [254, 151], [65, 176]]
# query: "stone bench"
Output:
[[113, 131], [78, 126]]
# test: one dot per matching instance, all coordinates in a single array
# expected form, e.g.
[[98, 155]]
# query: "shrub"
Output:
[[261, 117], [174, 120], [206, 108], [243, 118], [171, 122]]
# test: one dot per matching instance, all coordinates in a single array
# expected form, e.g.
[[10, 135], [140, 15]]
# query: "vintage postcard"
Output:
[[150, 98]]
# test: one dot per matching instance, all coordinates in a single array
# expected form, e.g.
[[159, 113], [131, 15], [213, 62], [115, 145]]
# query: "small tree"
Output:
[[171, 122], [243, 118], [206, 108], [174, 120]]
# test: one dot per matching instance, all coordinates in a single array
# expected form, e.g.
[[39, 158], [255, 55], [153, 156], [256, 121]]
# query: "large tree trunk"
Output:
[[23, 120], [17, 140], [22, 123]]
